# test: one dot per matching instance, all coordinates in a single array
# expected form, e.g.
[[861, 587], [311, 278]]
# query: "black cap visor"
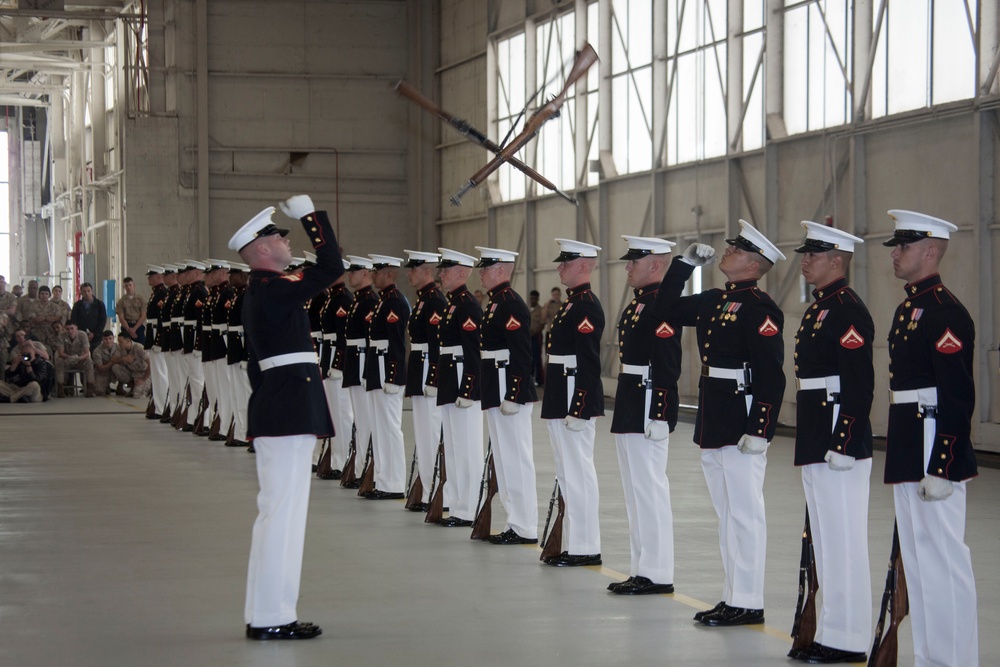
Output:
[[901, 236]]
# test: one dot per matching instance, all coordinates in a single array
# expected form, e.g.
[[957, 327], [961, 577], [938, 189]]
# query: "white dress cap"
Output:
[[751, 240], [382, 261], [640, 246], [310, 258], [491, 256], [238, 267], [346, 264], [570, 250], [358, 263], [418, 258], [451, 257], [912, 227], [295, 263], [820, 238], [153, 270], [214, 264], [259, 226], [194, 264]]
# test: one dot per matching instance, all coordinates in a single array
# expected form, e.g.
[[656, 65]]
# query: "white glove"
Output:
[[574, 423], [429, 391], [390, 388], [297, 207], [463, 402], [657, 430], [839, 462], [509, 408], [698, 254], [335, 374], [935, 488], [751, 444]]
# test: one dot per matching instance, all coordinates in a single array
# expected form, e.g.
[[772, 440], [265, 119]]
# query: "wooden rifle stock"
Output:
[[885, 648], [349, 475], [475, 136], [804, 626], [181, 413], [368, 473], [150, 407], [415, 494], [584, 59], [483, 523], [213, 432], [437, 495], [199, 418], [552, 540], [323, 469], [410, 485], [231, 431]]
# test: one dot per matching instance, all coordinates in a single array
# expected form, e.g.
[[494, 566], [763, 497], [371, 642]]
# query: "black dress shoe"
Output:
[[576, 560], [356, 484], [817, 654], [728, 616], [250, 449], [333, 474], [368, 494], [384, 495], [187, 428], [419, 507], [702, 614], [615, 584], [315, 467], [217, 438], [154, 416], [455, 522], [642, 586], [293, 630], [551, 560], [235, 443], [510, 537]]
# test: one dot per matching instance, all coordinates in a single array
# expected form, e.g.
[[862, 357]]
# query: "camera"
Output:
[[26, 358]]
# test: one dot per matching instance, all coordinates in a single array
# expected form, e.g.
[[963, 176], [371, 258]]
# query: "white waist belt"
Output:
[[380, 345], [177, 320], [316, 334], [152, 322], [190, 323], [499, 356], [453, 350], [218, 327], [631, 369], [288, 359], [419, 347], [567, 360], [357, 342], [332, 337], [236, 328], [723, 373], [924, 396], [831, 382]]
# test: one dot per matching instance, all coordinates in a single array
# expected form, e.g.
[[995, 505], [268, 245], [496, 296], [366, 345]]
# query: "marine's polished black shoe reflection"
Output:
[[294, 630]]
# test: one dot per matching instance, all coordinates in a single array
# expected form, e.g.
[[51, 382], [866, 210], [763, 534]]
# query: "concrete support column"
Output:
[[423, 160], [199, 235], [989, 47], [986, 132], [862, 16], [734, 77], [774, 90]]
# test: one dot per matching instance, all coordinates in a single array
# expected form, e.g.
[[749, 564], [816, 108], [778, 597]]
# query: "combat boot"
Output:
[[60, 391], [90, 391]]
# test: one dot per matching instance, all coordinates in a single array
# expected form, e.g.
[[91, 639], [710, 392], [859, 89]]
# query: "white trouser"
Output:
[[361, 405], [426, 435], [283, 471], [241, 385], [463, 456], [643, 466], [227, 395], [338, 400], [736, 484], [387, 441], [211, 374], [196, 378], [939, 579], [159, 379], [838, 517], [514, 461], [574, 457], [176, 375]]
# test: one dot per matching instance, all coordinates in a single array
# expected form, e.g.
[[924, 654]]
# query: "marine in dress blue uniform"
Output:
[[742, 384], [573, 399], [835, 379], [157, 362], [237, 357], [458, 386], [422, 329], [194, 303], [385, 375], [333, 322], [174, 347], [508, 395], [359, 278], [929, 455], [215, 318], [649, 354], [287, 408]]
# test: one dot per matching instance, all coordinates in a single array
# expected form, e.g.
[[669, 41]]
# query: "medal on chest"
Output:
[[819, 319], [729, 313], [915, 316]]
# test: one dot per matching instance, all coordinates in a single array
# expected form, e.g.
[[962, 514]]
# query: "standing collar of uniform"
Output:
[[338, 288], [830, 288], [505, 285], [458, 291], [388, 289], [646, 289], [927, 283], [579, 289], [366, 289], [740, 285], [427, 289]]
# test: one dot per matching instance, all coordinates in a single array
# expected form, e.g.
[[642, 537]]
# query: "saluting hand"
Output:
[[698, 254], [297, 207]]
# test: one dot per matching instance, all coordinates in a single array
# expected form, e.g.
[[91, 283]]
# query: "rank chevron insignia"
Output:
[[469, 325], [664, 330], [392, 317], [768, 328], [852, 340], [341, 312], [434, 319], [585, 326], [949, 343], [513, 324]]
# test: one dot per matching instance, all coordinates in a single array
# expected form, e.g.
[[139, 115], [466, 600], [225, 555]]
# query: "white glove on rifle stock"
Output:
[[390, 388], [335, 374], [297, 207], [698, 254], [509, 408], [657, 430], [574, 423], [751, 444], [463, 402], [839, 462], [429, 391], [935, 488]]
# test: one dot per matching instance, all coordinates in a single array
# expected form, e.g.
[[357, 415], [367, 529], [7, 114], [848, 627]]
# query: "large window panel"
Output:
[[753, 120], [817, 60], [556, 49], [632, 85], [954, 62], [510, 102]]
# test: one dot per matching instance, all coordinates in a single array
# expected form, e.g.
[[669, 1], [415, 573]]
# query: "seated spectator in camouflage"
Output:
[[103, 358], [130, 366], [45, 313], [29, 365], [12, 393], [21, 337], [73, 353]]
